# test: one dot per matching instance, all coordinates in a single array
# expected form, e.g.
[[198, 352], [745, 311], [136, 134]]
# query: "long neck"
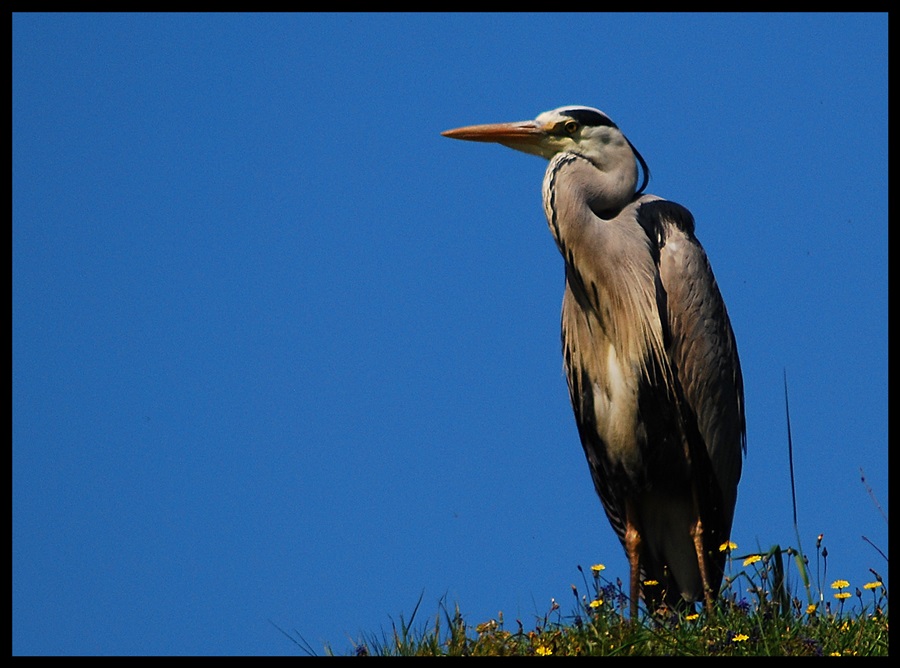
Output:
[[611, 271], [573, 182]]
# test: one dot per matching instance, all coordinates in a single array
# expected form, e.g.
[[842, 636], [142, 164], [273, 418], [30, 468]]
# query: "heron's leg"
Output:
[[633, 550], [702, 558]]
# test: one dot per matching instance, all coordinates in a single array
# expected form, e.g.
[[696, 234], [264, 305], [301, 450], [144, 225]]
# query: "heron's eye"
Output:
[[571, 127]]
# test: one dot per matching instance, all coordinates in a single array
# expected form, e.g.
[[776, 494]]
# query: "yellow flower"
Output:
[[842, 595], [839, 584], [740, 637], [486, 626], [872, 585], [651, 583], [752, 559], [596, 568], [727, 546], [543, 650], [691, 617], [596, 603], [811, 608]]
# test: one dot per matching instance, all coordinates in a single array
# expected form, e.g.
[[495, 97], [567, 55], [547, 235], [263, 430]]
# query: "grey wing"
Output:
[[702, 347]]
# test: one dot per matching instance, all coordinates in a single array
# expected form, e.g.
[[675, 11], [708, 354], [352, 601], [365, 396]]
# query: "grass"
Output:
[[757, 615]]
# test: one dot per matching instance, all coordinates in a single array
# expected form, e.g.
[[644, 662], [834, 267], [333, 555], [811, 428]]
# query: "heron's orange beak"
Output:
[[523, 132], [526, 136]]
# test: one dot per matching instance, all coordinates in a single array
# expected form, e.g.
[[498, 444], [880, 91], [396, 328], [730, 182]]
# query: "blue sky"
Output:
[[283, 355]]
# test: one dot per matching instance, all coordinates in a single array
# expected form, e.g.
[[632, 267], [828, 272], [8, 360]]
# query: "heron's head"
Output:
[[582, 130]]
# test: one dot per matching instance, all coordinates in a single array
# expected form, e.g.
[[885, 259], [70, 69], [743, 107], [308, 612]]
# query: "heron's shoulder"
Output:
[[655, 214]]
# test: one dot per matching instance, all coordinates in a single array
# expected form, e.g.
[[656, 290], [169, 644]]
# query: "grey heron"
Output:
[[649, 354]]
